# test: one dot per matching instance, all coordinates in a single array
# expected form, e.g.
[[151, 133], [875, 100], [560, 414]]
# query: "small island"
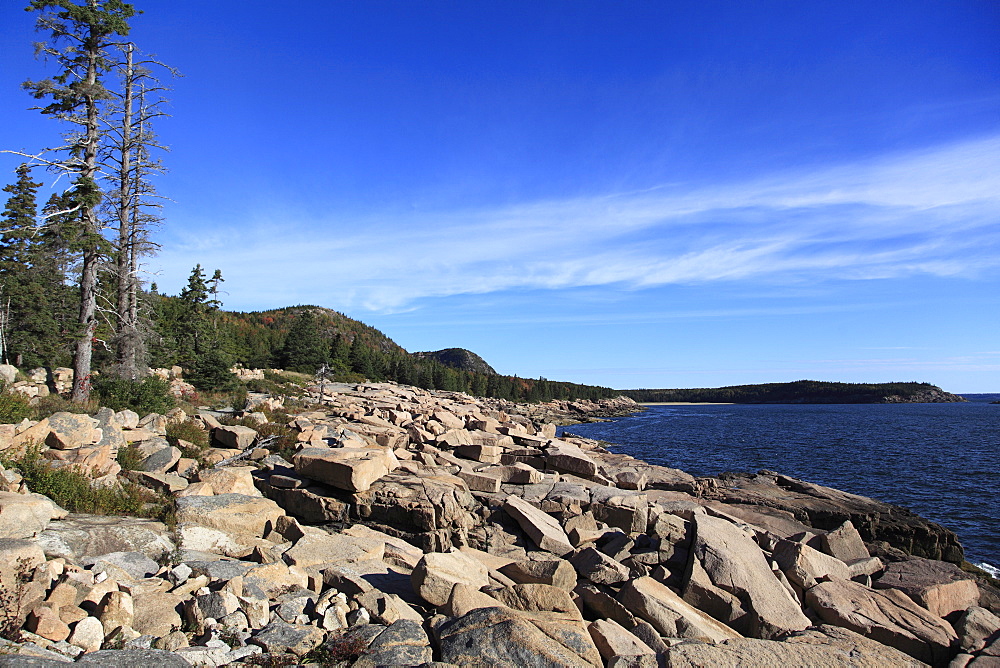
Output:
[[802, 392]]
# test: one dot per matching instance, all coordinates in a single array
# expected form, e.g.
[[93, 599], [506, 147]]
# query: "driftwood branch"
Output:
[[246, 453]]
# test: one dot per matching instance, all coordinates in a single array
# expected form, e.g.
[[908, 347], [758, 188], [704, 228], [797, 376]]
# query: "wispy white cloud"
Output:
[[933, 212]]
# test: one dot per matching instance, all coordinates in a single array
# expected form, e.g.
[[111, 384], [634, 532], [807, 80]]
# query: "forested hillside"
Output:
[[199, 336], [458, 358]]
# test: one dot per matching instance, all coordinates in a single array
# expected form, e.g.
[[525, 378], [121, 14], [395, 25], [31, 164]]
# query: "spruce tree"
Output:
[[192, 328], [80, 36], [360, 358], [305, 349], [340, 353], [196, 333], [19, 224], [35, 301], [17, 234]]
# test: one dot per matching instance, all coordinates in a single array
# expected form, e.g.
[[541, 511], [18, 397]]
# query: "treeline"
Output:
[[191, 330], [197, 335], [800, 391]]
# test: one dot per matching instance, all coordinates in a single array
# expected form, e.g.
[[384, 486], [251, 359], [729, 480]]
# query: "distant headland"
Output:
[[802, 392]]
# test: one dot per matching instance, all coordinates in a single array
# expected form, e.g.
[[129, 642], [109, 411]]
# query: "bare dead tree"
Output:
[[133, 204]]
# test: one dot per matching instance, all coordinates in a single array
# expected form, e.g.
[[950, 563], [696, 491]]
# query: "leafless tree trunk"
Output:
[[133, 203], [127, 333], [4, 326]]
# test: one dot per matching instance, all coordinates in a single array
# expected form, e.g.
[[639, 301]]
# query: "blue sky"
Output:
[[632, 194]]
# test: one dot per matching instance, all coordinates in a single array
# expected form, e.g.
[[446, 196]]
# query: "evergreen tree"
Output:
[[35, 302], [79, 38], [305, 349], [360, 358], [477, 386], [211, 371], [340, 351], [191, 329], [196, 335], [18, 224]]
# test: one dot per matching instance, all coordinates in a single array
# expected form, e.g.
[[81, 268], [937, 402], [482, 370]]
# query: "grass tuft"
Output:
[[73, 490]]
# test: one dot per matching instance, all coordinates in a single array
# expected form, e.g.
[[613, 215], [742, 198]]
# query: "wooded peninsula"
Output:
[[801, 392]]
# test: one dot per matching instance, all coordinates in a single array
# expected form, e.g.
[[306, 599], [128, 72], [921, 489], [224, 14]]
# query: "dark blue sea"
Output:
[[938, 460]]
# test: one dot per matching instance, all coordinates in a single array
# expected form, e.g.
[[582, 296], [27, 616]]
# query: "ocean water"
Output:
[[938, 460]]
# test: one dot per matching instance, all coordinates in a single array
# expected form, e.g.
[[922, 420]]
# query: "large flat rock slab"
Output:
[[25, 515], [71, 430], [236, 437], [569, 458], [133, 658], [541, 527], [79, 536], [735, 564], [940, 587], [827, 647], [670, 615], [350, 469], [229, 524], [889, 616], [614, 641], [502, 637], [827, 509], [402, 643], [431, 509], [437, 573]]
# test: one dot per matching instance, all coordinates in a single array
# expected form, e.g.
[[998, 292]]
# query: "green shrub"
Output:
[[257, 385], [210, 371], [279, 416], [149, 395], [271, 387], [129, 458], [190, 431], [240, 399], [14, 407], [54, 403], [285, 441], [282, 377], [295, 405], [342, 649], [72, 489], [280, 383], [233, 421]]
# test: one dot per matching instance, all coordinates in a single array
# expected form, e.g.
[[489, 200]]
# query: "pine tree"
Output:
[[18, 224], [17, 228], [339, 349], [360, 358], [79, 38], [35, 302], [190, 334], [192, 326], [305, 349]]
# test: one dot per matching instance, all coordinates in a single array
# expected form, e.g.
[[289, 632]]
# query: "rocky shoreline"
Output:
[[410, 527]]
